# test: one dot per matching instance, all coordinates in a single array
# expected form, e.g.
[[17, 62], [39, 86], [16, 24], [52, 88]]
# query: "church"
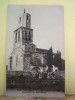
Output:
[[26, 56]]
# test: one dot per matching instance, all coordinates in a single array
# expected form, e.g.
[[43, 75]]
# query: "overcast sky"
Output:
[[47, 22]]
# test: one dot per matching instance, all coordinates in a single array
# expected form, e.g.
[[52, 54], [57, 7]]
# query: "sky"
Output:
[[47, 23]]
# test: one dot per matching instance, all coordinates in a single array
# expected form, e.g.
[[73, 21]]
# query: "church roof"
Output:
[[41, 50]]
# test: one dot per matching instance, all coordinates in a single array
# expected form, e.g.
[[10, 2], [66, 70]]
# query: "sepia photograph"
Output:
[[35, 57]]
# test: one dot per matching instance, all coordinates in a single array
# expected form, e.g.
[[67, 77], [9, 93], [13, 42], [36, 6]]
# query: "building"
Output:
[[26, 56]]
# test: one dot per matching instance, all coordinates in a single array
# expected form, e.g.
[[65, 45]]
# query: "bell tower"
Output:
[[23, 35], [25, 20]]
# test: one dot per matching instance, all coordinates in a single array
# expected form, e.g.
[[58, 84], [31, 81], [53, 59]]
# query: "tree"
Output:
[[57, 60], [49, 58]]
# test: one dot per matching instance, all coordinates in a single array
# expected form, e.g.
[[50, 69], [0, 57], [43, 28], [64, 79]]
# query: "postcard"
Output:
[[35, 51]]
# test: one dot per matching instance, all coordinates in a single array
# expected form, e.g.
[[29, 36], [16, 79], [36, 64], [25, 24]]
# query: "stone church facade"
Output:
[[26, 56]]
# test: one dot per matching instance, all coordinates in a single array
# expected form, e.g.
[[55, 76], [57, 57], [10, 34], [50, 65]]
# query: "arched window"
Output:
[[16, 37], [29, 36], [19, 20], [27, 17], [23, 37], [26, 39]]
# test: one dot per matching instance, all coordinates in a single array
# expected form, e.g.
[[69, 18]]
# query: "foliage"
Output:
[[58, 60], [49, 58]]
